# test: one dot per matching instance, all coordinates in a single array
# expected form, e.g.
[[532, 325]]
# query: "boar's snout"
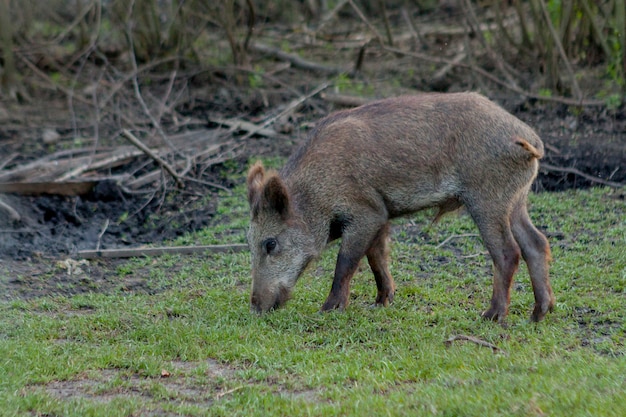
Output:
[[264, 301]]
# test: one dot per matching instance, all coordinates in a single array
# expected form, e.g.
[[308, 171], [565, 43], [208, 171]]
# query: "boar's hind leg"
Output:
[[356, 238], [495, 230], [378, 258], [536, 254]]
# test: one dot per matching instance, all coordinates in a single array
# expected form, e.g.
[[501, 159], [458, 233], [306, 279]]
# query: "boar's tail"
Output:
[[532, 150]]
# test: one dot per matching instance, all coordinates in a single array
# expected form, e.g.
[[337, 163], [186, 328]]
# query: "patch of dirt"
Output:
[[176, 383], [592, 142], [179, 383], [42, 276], [106, 217]]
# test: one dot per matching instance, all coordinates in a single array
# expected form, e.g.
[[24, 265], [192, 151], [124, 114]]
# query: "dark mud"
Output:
[[105, 218], [591, 140]]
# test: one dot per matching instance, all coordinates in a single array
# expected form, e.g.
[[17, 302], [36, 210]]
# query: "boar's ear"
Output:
[[256, 173], [276, 196]]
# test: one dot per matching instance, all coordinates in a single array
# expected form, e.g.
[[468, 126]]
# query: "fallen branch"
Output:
[[575, 171], [472, 339], [13, 214], [474, 255], [21, 172], [236, 124], [209, 184], [104, 229], [9, 159], [290, 107], [107, 162], [148, 178], [179, 181], [230, 391], [443, 71], [158, 251], [295, 60], [449, 238]]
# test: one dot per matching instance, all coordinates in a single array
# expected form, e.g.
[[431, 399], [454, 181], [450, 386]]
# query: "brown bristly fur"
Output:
[[362, 167]]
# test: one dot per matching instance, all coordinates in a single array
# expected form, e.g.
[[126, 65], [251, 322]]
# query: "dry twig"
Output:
[[158, 251], [449, 238], [473, 339], [295, 60], [237, 124], [13, 214], [230, 391], [105, 226], [8, 160], [209, 184], [569, 170], [443, 71], [290, 107], [133, 139], [116, 158]]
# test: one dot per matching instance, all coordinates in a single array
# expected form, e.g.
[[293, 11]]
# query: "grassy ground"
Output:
[[189, 345]]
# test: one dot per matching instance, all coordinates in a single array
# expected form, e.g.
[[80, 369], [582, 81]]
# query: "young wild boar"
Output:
[[362, 167]]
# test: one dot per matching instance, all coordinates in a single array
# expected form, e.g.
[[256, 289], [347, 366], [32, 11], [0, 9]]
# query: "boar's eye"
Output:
[[269, 245]]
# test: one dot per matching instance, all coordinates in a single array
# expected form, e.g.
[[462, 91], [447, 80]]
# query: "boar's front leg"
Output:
[[358, 236], [378, 258]]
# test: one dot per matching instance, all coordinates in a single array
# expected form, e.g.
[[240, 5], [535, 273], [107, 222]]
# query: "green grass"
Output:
[[104, 354]]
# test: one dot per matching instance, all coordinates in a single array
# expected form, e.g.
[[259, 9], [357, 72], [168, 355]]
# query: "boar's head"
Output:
[[280, 246]]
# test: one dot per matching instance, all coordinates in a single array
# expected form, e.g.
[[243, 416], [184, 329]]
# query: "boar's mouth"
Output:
[[282, 296]]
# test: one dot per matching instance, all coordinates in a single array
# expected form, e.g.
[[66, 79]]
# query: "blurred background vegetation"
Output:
[[554, 41]]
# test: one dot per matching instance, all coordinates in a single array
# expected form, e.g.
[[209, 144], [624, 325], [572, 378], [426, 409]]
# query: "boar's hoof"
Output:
[[383, 299], [495, 314], [335, 303], [540, 311]]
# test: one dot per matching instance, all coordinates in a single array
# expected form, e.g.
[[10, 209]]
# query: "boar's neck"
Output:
[[309, 215]]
